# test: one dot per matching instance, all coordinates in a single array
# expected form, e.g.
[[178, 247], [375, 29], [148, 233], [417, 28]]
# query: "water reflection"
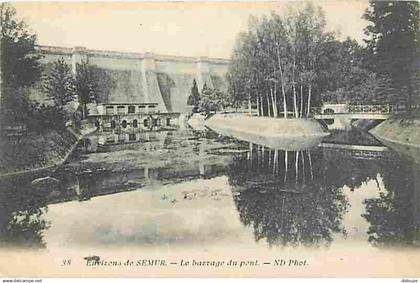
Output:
[[21, 211], [284, 196], [298, 198], [394, 217], [287, 198], [153, 160]]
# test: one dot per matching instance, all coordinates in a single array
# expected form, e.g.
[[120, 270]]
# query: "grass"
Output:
[[34, 150]]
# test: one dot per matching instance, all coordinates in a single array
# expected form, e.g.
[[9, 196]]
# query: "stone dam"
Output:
[[141, 77]]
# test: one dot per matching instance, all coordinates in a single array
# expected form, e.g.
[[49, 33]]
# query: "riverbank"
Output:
[[276, 133], [37, 151], [399, 131]]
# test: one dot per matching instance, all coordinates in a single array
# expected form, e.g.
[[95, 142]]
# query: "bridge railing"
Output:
[[360, 109], [315, 110], [376, 108]]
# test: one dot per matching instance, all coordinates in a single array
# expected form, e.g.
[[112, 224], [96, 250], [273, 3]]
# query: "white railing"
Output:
[[361, 109], [373, 109]]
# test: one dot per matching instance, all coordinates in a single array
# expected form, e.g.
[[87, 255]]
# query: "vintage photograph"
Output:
[[210, 139]]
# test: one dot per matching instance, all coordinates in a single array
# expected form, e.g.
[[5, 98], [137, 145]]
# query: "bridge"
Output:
[[347, 111], [340, 116]]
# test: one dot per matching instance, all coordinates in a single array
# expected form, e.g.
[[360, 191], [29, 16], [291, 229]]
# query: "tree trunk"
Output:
[[295, 102], [268, 105], [294, 84], [284, 104], [282, 85], [275, 101], [258, 105], [262, 106], [301, 100], [309, 100], [273, 106], [249, 104]]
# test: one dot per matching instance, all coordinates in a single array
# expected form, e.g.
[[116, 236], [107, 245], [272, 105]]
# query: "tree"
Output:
[[194, 98], [20, 66], [274, 64], [87, 86], [59, 84], [345, 78], [212, 100], [393, 46]]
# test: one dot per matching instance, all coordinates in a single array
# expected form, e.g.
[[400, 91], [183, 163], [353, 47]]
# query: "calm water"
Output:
[[198, 189]]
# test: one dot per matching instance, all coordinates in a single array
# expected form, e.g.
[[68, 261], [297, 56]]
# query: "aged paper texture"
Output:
[[210, 139]]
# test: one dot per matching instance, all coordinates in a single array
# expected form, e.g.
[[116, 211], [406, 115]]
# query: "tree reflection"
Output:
[[341, 169], [286, 198], [21, 210], [394, 217]]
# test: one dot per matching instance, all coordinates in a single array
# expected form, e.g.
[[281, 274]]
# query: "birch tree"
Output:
[[274, 64]]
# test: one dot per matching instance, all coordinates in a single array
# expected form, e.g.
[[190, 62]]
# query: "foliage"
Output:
[[14, 106], [345, 79], [194, 98], [275, 64], [393, 46], [59, 84], [87, 85], [20, 64], [46, 117], [212, 100], [20, 110], [290, 63]]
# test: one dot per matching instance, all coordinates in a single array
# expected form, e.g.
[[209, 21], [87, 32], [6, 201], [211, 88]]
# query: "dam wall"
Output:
[[127, 77]]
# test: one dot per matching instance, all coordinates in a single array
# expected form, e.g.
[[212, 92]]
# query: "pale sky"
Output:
[[170, 28]]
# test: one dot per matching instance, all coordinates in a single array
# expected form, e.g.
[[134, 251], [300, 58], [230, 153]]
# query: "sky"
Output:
[[170, 28]]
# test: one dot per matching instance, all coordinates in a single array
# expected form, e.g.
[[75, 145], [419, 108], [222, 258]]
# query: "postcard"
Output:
[[238, 139]]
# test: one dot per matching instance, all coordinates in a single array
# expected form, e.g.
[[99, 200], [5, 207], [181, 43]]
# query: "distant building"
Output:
[[131, 117]]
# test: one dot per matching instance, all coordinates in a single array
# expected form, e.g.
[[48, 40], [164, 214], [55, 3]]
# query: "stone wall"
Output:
[[144, 77]]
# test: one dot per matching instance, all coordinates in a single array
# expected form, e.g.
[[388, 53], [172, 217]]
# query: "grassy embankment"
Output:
[[400, 131], [35, 151]]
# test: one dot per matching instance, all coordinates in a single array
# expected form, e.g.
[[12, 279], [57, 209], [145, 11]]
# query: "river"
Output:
[[175, 191]]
